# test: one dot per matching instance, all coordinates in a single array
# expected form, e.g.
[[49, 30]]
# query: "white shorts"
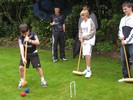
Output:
[[87, 49]]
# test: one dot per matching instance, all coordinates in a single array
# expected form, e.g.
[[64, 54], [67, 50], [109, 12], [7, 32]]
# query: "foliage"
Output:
[[104, 46], [72, 21], [43, 30], [1, 30], [109, 29], [9, 27], [15, 12], [11, 13], [108, 32], [69, 43]]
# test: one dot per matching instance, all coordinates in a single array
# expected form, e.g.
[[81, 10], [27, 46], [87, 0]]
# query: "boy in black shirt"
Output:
[[58, 35], [32, 53]]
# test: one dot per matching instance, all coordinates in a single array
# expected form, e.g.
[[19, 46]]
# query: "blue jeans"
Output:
[[129, 51]]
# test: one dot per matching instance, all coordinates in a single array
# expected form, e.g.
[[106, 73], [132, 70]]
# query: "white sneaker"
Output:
[[88, 74], [19, 85], [85, 71], [44, 83], [64, 59], [55, 60], [121, 80]]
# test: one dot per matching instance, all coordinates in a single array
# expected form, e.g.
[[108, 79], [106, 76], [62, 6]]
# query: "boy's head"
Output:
[[127, 7], [84, 14], [56, 10], [85, 7], [23, 28]]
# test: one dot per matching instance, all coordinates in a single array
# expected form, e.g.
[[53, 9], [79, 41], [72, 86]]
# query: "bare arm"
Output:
[[64, 27], [21, 51]]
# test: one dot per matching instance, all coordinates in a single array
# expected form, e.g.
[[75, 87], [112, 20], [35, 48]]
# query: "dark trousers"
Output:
[[129, 51], [58, 38]]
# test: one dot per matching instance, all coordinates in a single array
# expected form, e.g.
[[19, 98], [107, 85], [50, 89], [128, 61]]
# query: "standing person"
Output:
[[58, 35], [126, 36], [76, 46], [32, 53], [91, 15], [87, 33]]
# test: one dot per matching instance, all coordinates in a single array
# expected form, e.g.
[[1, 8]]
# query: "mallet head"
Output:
[[77, 72], [24, 83]]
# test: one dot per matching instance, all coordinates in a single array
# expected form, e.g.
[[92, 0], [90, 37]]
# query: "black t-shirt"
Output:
[[31, 48], [59, 21]]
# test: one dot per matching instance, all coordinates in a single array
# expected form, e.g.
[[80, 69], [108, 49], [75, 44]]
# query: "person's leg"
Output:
[[21, 72], [62, 45], [130, 49], [40, 72], [88, 66], [123, 62], [87, 50], [55, 46], [88, 61], [35, 61]]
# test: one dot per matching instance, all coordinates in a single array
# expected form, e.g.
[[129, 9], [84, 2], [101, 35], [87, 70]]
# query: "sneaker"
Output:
[[44, 83], [88, 74], [19, 85], [121, 80], [55, 60], [64, 59], [84, 72]]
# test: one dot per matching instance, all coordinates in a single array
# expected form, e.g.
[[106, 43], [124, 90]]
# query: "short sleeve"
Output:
[[20, 41]]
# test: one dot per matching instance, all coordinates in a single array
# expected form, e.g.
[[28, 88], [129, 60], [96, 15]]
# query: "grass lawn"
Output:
[[102, 85]]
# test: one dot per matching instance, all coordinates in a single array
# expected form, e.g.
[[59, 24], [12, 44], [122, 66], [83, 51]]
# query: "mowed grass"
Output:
[[102, 85]]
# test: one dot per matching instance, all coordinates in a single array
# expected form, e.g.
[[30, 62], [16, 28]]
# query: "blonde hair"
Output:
[[84, 13]]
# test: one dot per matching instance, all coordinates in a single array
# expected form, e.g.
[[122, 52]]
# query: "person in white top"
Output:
[[91, 15], [126, 37], [87, 33]]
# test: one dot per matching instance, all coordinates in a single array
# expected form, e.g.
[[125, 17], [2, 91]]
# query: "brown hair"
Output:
[[23, 28], [128, 4], [85, 5]]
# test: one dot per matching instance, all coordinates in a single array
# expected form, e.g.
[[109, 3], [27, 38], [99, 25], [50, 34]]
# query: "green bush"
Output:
[[72, 21], [69, 43], [104, 46], [109, 29], [16, 13], [107, 35]]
